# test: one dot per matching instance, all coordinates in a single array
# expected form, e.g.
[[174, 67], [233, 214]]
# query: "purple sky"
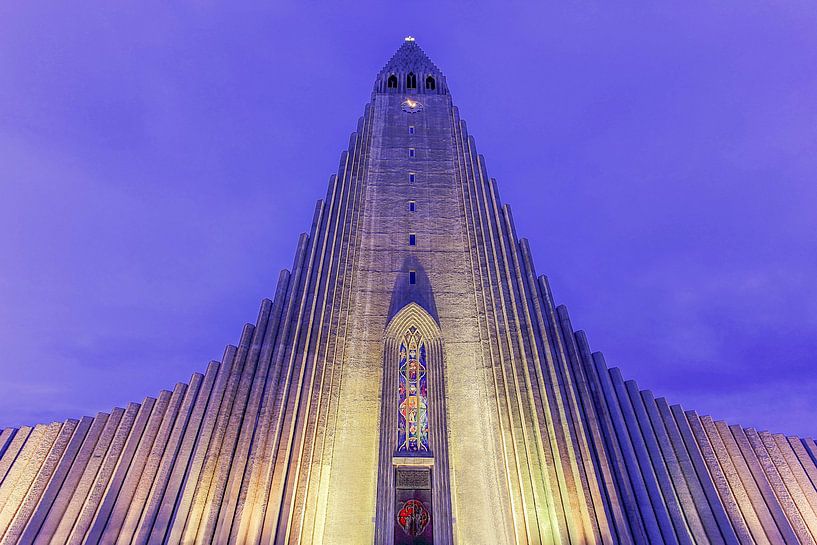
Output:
[[157, 164]]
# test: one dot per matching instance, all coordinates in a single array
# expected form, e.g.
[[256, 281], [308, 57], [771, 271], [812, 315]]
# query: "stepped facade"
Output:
[[411, 381]]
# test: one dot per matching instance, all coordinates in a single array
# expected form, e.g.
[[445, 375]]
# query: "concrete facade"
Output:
[[292, 436]]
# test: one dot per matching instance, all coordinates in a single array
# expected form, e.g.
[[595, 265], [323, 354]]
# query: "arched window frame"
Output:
[[392, 82], [413, 319], [411, 81], [431, 83]]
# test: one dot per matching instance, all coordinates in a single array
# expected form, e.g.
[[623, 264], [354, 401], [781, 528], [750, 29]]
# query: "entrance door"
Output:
[[413, 524]]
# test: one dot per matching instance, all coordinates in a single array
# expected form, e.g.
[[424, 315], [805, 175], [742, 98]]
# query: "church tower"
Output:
[[411, 382]]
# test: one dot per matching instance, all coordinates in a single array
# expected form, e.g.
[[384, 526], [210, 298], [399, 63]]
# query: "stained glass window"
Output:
[[412, 426]]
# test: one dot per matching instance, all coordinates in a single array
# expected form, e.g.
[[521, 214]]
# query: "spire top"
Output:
[[410, 69]]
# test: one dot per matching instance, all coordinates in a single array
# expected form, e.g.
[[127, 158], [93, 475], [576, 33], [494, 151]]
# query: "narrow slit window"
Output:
[[412, 239], [412, 277], [412, 206], [412, 152], [411, 129], [412, 177]]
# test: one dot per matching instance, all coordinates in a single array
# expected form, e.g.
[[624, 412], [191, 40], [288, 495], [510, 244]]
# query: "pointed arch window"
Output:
[[391, 83], [430, 83], [411, 81], [412, 418]]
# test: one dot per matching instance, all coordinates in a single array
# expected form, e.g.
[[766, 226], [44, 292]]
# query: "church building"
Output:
[[410, 381]]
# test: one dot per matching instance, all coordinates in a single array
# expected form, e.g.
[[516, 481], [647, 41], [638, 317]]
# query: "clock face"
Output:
[[411, 105]]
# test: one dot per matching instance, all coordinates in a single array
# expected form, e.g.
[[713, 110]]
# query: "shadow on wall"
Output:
[[419, 292]]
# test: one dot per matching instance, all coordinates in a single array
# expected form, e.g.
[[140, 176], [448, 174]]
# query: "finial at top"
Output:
[[409, 38]]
